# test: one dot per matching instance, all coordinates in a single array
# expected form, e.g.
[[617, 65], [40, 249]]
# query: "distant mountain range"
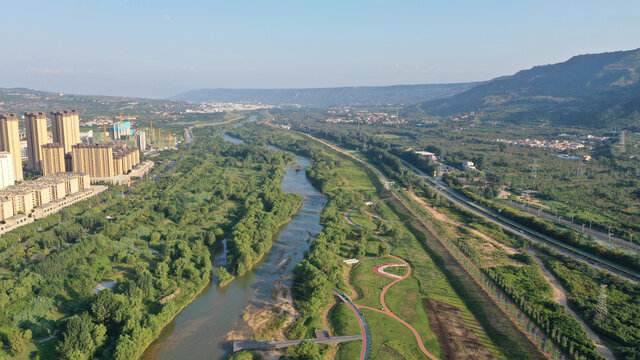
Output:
[[596, 90], [322, 97]]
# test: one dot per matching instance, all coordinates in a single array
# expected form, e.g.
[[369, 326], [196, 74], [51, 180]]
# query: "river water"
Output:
[[200, 330]]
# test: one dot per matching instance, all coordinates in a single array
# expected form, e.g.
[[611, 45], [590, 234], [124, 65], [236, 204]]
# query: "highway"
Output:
[[507, 224], [514, 227]]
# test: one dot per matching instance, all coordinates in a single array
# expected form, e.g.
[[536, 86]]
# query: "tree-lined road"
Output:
[[514, 227]]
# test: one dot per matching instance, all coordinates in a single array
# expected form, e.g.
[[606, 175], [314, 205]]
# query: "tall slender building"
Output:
[[141, 140], [65, 127], [52, 159], [10, 141], [6, 170], [36, 138]]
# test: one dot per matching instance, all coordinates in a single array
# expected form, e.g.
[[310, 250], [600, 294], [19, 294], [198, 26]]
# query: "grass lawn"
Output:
[[386, 330], [432, 283], [404, 299], [396, 270], [369, 284], [360, 218], [344, 322]]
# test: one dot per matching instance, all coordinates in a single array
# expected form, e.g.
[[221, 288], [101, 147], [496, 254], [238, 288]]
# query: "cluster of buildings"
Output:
[[555, 145], [463, 117], [348, 115], [35, 199], [426, 154], [66, 152], [206, 108], [67, 164]]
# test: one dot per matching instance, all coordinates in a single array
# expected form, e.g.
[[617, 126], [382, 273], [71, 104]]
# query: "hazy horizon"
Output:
[[161, 49]]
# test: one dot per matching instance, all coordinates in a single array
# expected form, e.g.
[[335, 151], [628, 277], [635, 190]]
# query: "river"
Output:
[[200, 330]]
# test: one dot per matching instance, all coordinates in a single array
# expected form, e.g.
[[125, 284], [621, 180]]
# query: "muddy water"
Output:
[[200, 330]]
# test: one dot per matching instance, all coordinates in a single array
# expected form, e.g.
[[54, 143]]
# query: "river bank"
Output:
[[203, 329]]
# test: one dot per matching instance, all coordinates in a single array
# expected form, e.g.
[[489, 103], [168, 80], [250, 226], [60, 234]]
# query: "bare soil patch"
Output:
[[445, 219], [457, 340], [262, 322]]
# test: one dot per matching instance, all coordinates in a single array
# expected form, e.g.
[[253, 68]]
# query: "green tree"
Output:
[[16, 343], [81, 338], [223, 276], [306, 350], [384, 249], [245, 355]]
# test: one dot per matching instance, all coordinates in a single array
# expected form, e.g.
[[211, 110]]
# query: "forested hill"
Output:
[[591, 90], [362, 95]]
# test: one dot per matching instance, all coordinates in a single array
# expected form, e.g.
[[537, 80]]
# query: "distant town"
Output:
[[585, 142], [348, 114], [218, 107]]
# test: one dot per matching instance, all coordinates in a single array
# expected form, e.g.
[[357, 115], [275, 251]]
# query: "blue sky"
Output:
[[160, 48]]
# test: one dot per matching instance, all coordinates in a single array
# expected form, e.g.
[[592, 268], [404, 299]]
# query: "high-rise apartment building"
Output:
[[102, 160], [52, 159], [120, 129], [10, 141], [7, 177], [141, 140], [65, 127], [94, 159], [36, 126]]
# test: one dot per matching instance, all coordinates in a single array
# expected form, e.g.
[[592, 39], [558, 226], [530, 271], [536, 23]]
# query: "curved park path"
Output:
[[396, 279]]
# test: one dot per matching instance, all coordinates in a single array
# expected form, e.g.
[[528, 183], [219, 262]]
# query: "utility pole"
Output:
[[602, 302]]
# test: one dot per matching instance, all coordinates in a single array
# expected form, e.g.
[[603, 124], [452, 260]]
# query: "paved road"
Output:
[[611, 240], [364, 328], [514, 227]]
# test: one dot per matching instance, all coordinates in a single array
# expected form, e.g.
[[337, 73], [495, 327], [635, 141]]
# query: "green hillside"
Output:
[[596, 90], [357, 95]]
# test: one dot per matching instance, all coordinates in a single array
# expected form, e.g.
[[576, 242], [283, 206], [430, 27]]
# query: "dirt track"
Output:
[[560, 296]]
